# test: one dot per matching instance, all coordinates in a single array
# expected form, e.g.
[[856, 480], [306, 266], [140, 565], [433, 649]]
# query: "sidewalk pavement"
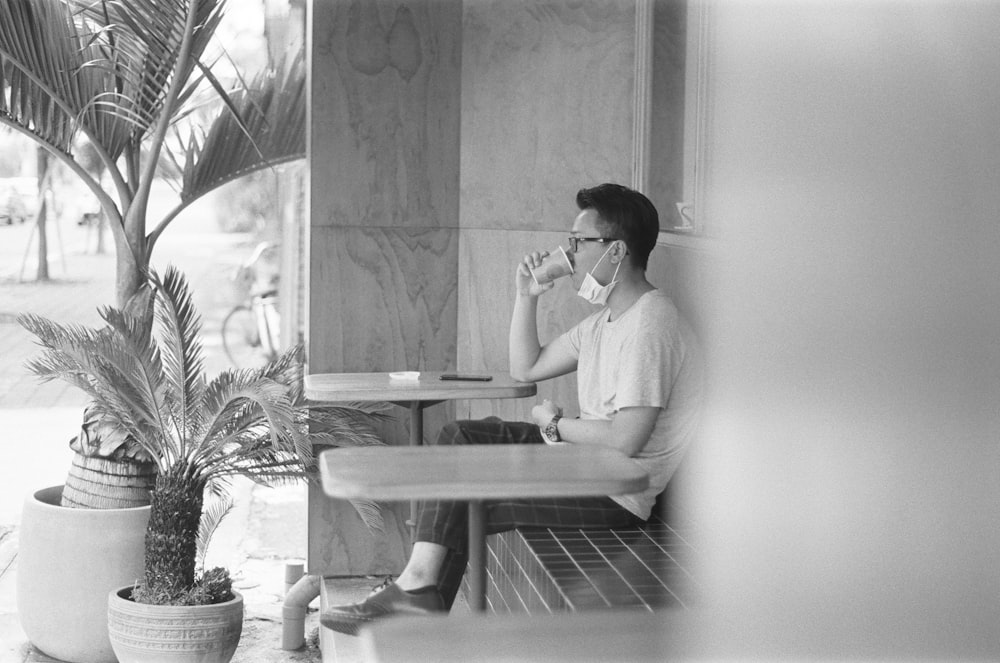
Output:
[[267, 526]]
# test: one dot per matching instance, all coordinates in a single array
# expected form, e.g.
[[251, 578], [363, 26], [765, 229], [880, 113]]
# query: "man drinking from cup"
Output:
[[640, 388]]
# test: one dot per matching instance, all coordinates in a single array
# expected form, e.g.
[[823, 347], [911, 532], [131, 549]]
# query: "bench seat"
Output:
[[542, 570]]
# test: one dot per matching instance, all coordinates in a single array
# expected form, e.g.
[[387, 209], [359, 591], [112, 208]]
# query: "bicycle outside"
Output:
[[250, 330]]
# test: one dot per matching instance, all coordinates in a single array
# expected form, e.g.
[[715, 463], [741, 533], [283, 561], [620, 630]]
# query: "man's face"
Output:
[[587, 225]]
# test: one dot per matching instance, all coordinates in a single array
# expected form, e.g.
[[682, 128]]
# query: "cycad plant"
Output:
[[134, 79], [144, 373]]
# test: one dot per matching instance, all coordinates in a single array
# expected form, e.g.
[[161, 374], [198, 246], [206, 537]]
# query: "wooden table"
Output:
[[476, 473], [416, 395]]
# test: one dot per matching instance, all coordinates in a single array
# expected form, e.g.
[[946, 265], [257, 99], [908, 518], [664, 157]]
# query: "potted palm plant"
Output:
[[133, 81], [144, 373]]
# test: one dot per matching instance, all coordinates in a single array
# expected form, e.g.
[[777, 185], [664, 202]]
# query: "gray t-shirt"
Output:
[[648, 357]]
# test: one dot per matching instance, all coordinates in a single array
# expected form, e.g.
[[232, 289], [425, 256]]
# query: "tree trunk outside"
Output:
[[43, 241], [102, 226], [172, 537]]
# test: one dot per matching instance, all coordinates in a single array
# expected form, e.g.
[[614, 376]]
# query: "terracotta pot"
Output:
[[68, 560], [143, 633]]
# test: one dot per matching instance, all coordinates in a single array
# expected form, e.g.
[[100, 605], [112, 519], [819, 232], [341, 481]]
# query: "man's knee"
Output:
[[473, 431], [454, 432]]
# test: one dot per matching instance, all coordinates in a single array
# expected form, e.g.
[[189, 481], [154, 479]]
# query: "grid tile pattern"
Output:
[[539, 570]]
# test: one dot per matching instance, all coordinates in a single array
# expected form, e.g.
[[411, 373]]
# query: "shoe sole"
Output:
[[345, 625], [350, 625]]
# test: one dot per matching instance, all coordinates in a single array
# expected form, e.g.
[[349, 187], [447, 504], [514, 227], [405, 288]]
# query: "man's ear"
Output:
[[618, 251]]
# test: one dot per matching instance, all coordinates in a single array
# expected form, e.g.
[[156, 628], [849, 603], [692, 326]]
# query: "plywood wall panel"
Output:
[[383, 213], [546, 107], [383, 299], [339, 543], [385, 124]]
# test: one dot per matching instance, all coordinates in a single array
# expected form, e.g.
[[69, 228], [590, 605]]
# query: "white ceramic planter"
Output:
[[68, 560], [142, 633]]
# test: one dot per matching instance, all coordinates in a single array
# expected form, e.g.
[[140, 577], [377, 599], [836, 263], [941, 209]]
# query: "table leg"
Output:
[[416, 439], [477, 555], [416, 424]]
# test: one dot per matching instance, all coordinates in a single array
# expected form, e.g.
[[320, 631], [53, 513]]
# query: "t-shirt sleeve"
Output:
[[572, 339]]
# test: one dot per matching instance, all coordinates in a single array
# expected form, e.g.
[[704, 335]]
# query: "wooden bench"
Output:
[[565, 596], [541, 570]]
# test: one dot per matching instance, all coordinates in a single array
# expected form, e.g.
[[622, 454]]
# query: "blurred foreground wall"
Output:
[[851, 478]]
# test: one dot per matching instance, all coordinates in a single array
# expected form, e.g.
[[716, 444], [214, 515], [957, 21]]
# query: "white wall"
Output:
[[852, 478]]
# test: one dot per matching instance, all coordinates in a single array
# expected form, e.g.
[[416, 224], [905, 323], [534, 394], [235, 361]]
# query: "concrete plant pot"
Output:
[[68, 561], [143, 633]]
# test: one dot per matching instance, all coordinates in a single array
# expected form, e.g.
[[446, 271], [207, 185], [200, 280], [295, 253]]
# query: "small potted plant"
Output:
[[151, 388]]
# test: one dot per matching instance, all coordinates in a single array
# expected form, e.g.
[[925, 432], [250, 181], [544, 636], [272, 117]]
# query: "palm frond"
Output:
[[99, 363], [371, 514], [145, 47], [263, 470], [40, 50], [286, 368], [263, 126], [116, 366], [225, 413], [360, 412], [134, 367], [211, 518], [265, 417], [346, 436], [180, 347]]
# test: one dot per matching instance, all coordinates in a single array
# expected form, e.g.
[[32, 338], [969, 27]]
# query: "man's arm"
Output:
[[529, 360], [628, 431]]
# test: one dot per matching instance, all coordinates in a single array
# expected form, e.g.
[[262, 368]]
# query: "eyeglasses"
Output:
[[574, 242]]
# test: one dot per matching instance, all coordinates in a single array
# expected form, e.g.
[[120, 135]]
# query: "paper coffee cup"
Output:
[[555, 265]]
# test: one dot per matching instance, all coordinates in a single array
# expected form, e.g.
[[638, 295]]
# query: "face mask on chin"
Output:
[[594, 292]]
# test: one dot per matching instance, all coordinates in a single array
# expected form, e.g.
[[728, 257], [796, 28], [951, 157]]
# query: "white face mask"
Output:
[[594, 292]]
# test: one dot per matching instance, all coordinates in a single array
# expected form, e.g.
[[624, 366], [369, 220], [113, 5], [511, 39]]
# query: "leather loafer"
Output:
[[386, 600]]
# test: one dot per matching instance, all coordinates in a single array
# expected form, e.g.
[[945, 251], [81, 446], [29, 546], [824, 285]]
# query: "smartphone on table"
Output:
[[476, 377]]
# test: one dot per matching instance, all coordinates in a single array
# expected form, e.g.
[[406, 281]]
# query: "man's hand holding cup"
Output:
[[538, 271]]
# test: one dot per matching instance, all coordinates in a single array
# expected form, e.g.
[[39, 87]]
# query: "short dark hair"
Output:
[[626, 215]]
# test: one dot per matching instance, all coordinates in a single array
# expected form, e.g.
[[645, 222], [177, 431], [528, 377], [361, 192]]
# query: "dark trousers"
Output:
[[446, 522]]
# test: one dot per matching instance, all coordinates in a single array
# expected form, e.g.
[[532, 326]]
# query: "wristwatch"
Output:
[[552, 429]]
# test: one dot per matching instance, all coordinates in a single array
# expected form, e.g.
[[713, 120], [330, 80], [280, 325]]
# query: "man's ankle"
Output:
[[413, 585]]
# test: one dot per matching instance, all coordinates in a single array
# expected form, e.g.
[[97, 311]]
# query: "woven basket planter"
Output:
[[101, 483]]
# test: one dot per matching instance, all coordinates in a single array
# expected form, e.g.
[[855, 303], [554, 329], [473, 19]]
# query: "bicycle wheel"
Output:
[[241, 339]]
